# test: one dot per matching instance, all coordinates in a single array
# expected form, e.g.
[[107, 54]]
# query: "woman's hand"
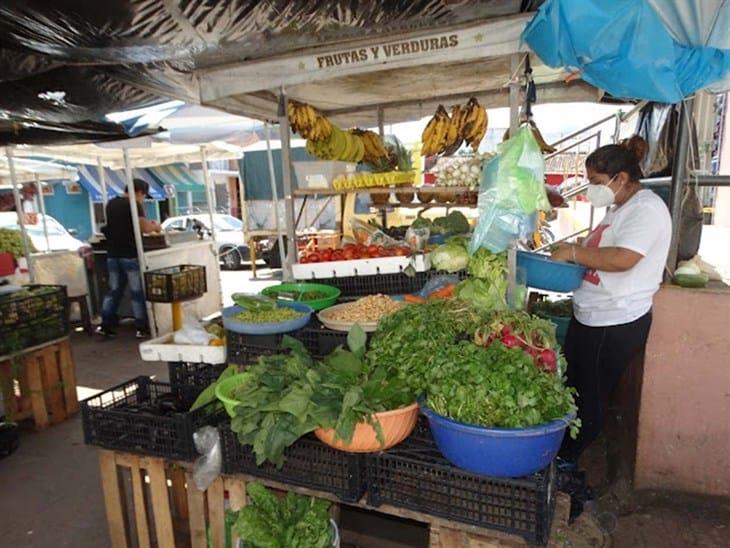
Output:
[[563, 252]]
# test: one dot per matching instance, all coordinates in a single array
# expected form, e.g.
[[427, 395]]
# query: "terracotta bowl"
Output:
[[380, 199], [397, 425], [424, 197], [405, 197], [445, 197]]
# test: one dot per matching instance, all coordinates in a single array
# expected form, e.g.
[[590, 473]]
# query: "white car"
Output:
[[59, 239], [232, 247]]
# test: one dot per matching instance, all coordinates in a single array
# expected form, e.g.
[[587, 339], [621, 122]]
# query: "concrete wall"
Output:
[[684, 420]]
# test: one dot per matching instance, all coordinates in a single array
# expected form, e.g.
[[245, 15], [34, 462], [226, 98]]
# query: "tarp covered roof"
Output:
[[74, 61]]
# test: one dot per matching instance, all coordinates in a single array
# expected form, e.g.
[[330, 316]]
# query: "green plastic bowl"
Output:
[[319, 304], [225, 388]]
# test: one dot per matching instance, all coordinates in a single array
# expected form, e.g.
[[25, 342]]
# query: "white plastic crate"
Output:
[[359, 267], [163, 349], [320, 174]]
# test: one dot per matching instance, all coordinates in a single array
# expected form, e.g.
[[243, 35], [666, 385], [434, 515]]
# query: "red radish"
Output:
[[510, 341], [506, 330], [549, 360]]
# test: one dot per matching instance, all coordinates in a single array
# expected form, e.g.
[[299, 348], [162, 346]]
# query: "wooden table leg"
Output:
[[112, 499], [237, 499], [35, 386], [196, 512], [216, 513], [160, 502]]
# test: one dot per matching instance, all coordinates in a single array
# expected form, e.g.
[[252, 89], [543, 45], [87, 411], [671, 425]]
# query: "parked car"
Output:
[[59, 239], [233, 249]]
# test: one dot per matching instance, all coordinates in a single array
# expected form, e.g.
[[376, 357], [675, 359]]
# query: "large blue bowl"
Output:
[[544, 273], [497, 452], [267, 328]]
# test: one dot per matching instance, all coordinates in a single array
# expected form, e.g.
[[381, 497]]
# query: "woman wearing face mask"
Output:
[[625, 256]]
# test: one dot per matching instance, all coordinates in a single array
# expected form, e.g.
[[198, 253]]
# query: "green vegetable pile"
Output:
[[262, 309], [408, 341], [451, 256], [486, 288], [560, 309], [453, 223], [267, 316], [294, 521], [496, 386], [11, 242], [288, 396]]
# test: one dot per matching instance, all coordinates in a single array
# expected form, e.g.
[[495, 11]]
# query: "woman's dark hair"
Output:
[[626, 157]]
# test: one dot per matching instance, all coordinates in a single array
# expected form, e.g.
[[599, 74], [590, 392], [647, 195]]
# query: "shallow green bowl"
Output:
[[319, 304]]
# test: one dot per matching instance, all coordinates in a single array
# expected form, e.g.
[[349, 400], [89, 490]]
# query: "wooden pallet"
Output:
[[151, 501], [40, 384]]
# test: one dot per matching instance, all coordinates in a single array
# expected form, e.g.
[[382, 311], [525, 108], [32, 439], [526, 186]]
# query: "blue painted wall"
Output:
[[71, 210]]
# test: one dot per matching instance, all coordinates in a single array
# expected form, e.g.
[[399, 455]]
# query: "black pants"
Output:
[[597, 357]]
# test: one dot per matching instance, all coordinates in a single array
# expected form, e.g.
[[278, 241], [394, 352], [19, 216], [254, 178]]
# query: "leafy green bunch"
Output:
[[408, 341], [496, 386], [294, 521], [288, 396]]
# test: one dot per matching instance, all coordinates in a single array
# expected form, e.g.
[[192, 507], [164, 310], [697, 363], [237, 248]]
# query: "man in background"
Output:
[[122, 263]]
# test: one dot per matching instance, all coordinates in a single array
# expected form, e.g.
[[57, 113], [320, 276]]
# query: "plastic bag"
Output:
[[192, 332], [690, 225], [208, 466], [512, 190]]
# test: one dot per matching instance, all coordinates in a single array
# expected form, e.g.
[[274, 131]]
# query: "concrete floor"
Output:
[[50, 494]]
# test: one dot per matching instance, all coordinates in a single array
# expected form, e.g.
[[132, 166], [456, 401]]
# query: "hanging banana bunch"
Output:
[[475, 124], [445, 135], [435, 135], [375, 150], [541, 142], [307, 122]]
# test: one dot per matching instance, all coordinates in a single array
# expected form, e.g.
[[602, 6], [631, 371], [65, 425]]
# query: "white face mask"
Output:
[[601, 195]]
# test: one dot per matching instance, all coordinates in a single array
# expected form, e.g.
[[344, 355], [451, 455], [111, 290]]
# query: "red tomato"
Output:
[[337, 255], [313, 257], [303, 259], [325, 255], [381, 249], [348, 254], [349, 246], [402, 251], [372, 250], [374, 254]]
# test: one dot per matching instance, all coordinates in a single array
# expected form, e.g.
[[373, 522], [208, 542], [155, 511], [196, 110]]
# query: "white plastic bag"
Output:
[[208, 466], [192, 332]]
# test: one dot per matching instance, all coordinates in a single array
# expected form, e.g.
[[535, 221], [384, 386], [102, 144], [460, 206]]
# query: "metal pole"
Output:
[[42, 204], [288, 194], [102, 182], [679, 174], [206, 182], [381, 122], [514, 121], [19, 212], [275, 195], [133, 205]]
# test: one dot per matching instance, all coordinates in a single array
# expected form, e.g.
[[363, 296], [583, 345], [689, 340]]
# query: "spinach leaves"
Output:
[[294, 521], [290, 395]]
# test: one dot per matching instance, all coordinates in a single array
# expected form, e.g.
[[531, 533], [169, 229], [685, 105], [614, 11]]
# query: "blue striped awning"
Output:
[[116, 182], [177, 175]]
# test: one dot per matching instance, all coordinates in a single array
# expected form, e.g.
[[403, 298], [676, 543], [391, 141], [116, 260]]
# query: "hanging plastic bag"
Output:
[[512, 190], [691, 219], [208, 466]]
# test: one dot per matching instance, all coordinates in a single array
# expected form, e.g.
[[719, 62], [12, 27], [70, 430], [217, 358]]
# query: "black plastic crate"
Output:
[[192, 377], [387, 284], [29, 320], [317, 339], [175, 284], [416, 476], [114, 420], [309, 463]]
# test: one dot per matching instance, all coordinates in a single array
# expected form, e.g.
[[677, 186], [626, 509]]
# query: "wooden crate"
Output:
[[150, 501], [40, 384], [153, 502]]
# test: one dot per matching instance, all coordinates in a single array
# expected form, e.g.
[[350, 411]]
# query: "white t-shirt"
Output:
[[642, 224]]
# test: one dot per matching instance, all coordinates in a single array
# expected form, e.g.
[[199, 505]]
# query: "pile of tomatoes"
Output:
[[354, 251]]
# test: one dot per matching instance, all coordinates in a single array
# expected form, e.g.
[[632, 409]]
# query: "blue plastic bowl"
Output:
[[544, 273], [497, 452], [267, 328]]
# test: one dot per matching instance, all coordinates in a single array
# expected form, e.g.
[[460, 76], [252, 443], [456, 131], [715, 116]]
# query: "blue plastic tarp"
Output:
[[625, 48], [116, 182]]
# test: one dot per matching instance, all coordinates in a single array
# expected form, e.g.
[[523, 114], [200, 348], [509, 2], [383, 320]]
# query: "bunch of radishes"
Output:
[[517, 329]]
